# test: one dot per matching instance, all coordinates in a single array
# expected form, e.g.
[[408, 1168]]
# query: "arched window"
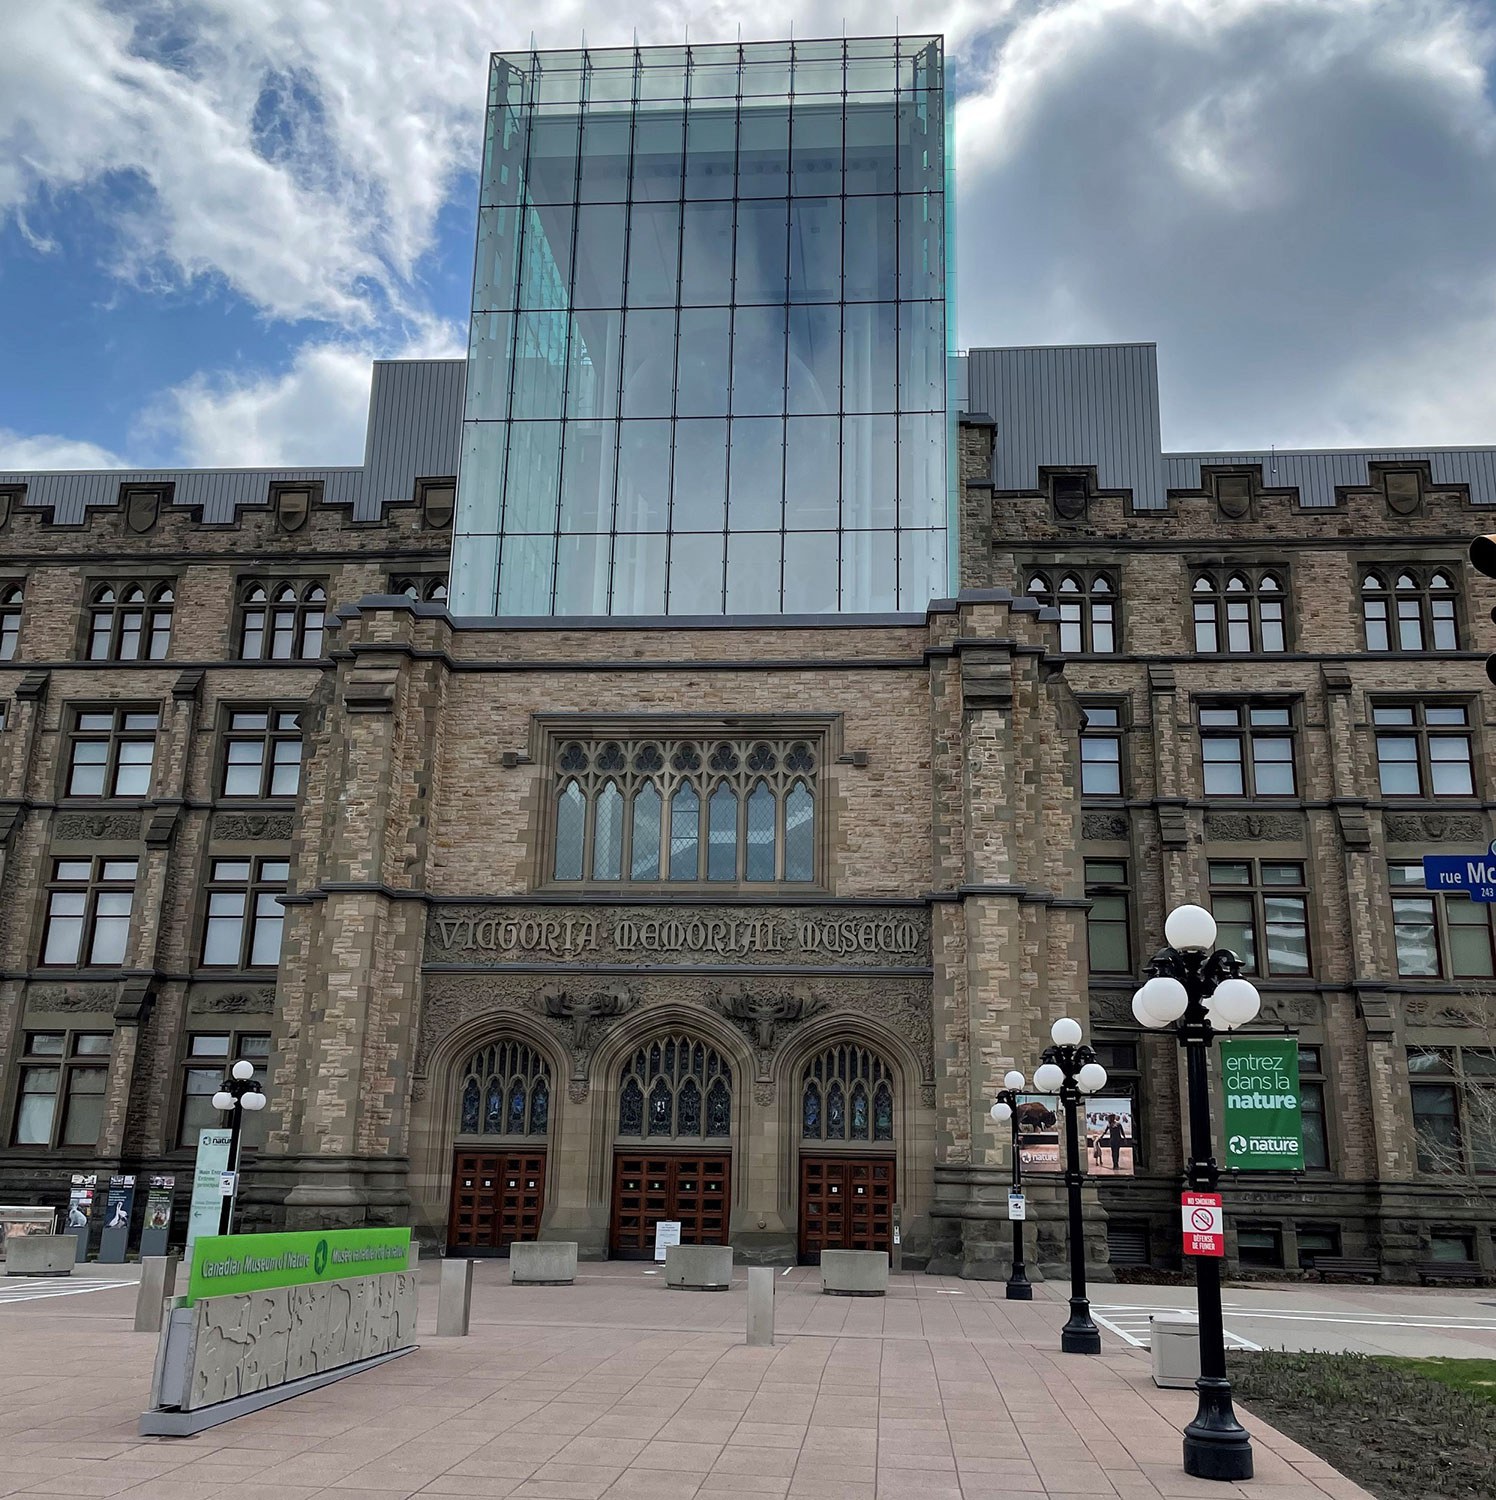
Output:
[[685, 811], [281, 621], [1243, 612], [675, 1088], [130, 622], [846, 1096], [506, 1090], [12, 597], [1087, 603], [1423, 608], [428, 588]]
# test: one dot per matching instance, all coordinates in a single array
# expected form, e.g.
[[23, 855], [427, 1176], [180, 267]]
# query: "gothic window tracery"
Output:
[[675, 1088], [698, 811], [506, 1090], [846, 1094]]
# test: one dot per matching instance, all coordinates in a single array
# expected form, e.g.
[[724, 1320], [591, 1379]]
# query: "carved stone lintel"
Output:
[[1434, 827], [417, 1090], [160, 825], [96, 825], [1253, 825], [1097, 825], [70, 997], [764, 1092], [255, 1002], [577, 1090], [246, 827], [132, 1004]]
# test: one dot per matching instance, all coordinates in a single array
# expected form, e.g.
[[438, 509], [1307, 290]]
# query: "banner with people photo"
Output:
[[1109, 1136]]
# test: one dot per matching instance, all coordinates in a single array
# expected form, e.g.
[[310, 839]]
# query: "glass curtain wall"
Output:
[[708, 353]]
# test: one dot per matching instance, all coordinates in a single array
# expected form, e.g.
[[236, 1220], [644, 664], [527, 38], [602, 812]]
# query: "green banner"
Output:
[[223, 1264], [1263, 1122]]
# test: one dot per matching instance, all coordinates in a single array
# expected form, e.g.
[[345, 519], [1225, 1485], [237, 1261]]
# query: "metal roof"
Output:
[[1098, 404], [415, 432]]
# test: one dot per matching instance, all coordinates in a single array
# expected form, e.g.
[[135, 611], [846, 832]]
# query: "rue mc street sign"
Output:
[[1475, 874]]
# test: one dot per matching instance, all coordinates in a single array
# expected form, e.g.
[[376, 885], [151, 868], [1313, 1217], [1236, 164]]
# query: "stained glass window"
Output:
[[729, 810], [499, 1080], [688, 1086], [846, 1094]]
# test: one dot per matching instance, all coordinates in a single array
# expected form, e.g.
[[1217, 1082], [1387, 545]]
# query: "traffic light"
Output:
[[1483, 558]]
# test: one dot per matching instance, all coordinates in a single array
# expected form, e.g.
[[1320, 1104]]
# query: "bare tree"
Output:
[[1456, 1131]]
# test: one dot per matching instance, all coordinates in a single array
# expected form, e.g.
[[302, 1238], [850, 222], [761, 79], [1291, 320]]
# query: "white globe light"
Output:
[[1190, 928], [223, 1100], [1091, 1078], [1001, 1113], [1234, 1003], [1065, 1032], [1164, 999], [1142, 1013], [253, 1101], [1013, 1079], [1048, 1077], [243, 1071]]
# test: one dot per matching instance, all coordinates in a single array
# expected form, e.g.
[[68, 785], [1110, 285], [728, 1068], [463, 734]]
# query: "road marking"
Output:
[[1454, 1322], [1131, 1324], [16, 1290]]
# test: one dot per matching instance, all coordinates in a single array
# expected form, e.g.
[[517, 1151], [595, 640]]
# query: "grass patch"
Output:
[[1401, 1428]]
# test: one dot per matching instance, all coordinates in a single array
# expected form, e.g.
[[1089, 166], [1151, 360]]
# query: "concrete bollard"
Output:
[[761, 1307], [454, 1299], [158, 1283]]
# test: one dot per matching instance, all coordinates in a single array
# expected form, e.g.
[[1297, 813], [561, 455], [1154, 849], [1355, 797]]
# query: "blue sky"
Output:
[[214, 213]]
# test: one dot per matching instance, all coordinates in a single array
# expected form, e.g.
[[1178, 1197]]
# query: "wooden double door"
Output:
[[497, 1198], [846, 1203], [693, 1187]]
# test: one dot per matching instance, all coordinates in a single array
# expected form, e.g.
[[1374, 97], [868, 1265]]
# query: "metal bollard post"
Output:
[[761, 1307], [454, 1299], [158, 1283]]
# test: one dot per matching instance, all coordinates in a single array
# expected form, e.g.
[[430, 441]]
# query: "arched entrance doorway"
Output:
[[672, 1157], [498, 1177], [847, 1162]]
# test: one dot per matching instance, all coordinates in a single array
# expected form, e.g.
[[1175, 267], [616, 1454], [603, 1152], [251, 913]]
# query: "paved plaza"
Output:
[[618, 1387]]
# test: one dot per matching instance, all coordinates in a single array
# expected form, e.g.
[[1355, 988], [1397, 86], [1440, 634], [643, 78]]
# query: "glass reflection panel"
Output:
[[699, 481]]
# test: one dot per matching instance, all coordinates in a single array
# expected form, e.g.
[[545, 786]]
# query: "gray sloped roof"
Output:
[[414, 432]]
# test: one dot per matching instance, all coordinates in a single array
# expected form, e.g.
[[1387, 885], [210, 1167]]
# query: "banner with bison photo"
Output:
[[1109, 1142], [1039, 1133]]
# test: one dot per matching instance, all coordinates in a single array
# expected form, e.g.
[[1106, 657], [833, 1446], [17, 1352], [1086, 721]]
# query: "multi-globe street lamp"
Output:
[[1005, 1111], [240, 1091], [1197, 989], [1070, 1069]]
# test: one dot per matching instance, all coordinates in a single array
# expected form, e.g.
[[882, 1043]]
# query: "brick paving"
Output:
[[617, 1387]]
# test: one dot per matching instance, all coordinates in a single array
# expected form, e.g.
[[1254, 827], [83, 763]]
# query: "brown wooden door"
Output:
[[695, 1188], [846, 1203], [497, 1198]]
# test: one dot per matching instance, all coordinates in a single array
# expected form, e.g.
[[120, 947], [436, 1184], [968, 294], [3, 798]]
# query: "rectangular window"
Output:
[[89, 902], [1247, 750], [12, 597], [1437, 936], [60, 1101], [1261, 908], [1106, 923], [262, 753], [1101, 751], [111, 752], [209, 1057], [1424, 749], [1260, 1245], [1312, 1109], [281, 620], [1453, 1093], [244, 913]]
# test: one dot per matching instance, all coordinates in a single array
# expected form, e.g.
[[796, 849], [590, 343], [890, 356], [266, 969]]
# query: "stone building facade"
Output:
[[550, 927]]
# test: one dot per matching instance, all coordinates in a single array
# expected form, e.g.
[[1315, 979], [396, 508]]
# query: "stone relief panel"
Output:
[[1098, 825], [451, 1000], [1418, 828], [1448, 1010], [70, 997], [247, 826], [257, 1340], [88, 825], [898, 938], [252, 1002], [1253, 825]]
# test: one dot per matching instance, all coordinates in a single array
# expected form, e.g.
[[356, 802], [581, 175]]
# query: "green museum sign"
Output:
[[225, 1264], [1264, 1124]]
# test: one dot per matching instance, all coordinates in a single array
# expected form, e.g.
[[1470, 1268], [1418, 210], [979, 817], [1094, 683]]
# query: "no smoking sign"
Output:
[[1204, 1224]]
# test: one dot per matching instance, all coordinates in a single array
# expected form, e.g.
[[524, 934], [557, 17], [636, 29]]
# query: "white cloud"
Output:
[[23, 453]]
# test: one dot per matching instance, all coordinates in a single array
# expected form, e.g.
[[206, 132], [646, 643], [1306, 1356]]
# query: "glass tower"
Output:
[[708, 353]]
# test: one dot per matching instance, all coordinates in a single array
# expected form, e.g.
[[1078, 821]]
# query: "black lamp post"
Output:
[[1006, 1109], [240, 1092], [1197, 989], [1069, 1069]]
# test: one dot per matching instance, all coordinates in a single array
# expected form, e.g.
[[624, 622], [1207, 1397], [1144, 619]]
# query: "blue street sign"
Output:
[[1475, 874]]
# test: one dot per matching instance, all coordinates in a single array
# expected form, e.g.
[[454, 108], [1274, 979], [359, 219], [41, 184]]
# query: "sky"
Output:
[[215, 213]]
